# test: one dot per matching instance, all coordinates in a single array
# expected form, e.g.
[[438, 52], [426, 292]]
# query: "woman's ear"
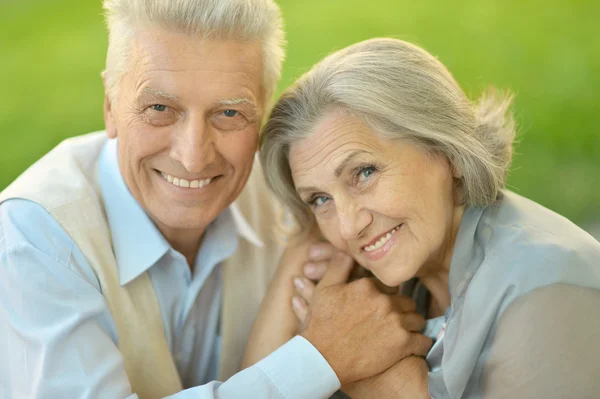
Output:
[[456, 173], [109, 116]]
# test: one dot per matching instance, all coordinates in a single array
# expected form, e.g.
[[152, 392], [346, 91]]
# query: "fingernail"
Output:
[[310, 268], [314, 251], [298, 283], [296, 303]]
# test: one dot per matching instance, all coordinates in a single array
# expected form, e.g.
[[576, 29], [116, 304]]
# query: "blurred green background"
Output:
[[547, 52]]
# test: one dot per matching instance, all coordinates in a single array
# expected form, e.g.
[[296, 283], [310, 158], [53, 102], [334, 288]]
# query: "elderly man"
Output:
[[132, 262]]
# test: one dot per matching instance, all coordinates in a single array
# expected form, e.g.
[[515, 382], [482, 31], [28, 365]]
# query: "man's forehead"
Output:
[[171, 63]]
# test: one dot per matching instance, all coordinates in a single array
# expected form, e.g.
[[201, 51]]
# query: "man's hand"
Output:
[[407, 379], [358, 330]]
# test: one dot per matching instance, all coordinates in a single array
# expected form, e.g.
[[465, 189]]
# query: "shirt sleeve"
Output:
[[58, 340], [294, 371], [546, 346]]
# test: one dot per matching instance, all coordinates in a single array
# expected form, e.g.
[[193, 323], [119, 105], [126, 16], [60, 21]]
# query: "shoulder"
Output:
[[520, 238], [553, 328], [63, 175], [523, 247], [28, 233]]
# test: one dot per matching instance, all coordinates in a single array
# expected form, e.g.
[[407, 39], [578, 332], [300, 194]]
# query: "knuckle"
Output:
[[382, 307], [384, 304], [409, 303], [364, 285]]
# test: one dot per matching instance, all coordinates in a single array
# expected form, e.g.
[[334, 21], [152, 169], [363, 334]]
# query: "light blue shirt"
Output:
[[58, 338], [514, 268]]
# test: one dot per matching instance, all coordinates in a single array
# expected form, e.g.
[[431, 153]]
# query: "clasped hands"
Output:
[[380, 353]]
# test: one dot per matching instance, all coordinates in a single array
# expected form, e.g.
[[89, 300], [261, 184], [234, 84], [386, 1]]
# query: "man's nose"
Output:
[[353, 220], [195, 145]]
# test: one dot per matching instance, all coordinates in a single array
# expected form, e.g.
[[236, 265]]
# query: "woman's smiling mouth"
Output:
[[380, 245]]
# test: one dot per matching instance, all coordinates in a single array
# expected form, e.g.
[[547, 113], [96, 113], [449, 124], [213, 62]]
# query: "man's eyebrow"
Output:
[[158, 93], [236, 101], [340, 168]]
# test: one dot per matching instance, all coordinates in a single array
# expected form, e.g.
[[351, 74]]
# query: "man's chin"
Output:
[[183, 220]]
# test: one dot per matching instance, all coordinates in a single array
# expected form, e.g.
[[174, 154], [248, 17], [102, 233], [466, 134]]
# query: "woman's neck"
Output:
[[435, 275]]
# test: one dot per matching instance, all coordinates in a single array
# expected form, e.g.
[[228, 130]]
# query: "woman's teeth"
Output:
[[185, 183], [382, 240]]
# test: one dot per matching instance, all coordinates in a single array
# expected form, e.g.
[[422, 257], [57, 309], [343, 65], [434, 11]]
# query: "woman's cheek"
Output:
[[331, 233]]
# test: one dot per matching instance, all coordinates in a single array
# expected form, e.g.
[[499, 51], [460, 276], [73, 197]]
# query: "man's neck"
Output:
[[185, 241]]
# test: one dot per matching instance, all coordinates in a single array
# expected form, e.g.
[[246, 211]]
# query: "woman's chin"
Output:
[[391, 278]]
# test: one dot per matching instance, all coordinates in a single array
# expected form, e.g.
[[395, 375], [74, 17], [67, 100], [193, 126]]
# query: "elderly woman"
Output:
[[380, 148]]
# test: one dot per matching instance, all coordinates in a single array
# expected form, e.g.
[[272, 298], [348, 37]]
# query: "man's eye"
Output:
[[159, 115], [159, 107], [229, 120]]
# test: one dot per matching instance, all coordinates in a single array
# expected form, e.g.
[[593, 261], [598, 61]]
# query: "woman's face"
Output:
[[389, 204]]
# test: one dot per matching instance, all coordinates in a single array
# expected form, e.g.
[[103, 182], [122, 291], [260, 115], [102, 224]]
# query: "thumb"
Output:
[[338, 270]]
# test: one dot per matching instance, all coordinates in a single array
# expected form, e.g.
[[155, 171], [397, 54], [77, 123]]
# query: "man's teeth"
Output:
[[185, 183], [382, 240]]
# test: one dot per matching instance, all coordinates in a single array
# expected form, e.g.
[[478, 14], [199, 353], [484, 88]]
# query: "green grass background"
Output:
[[547, 52]]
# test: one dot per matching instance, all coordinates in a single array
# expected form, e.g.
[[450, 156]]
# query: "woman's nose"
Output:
[[353, 220]]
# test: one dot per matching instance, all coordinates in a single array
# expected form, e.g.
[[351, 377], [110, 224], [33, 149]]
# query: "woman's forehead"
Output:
[[332, 140]]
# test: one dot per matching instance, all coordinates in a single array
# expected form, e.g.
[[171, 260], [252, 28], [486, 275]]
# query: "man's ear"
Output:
[[109, 116]]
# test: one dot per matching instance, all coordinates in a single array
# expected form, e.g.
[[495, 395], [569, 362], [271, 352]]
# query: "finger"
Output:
[[404, 304], [413, 322], [315, 270], [300, 308], [304, 288], [418, 345], [322, 251], [338, 270]]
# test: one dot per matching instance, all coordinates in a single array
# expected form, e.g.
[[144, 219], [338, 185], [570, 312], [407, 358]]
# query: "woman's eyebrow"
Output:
[[338, 171], [301, 190], [344, 164]]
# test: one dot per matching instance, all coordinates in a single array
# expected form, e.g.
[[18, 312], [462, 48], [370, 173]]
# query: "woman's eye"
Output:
[[365, 173], [159, 107], [230, 113], [319, 200]]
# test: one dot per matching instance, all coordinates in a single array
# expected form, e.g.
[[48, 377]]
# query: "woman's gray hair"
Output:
[[401, 92], [246, 20]]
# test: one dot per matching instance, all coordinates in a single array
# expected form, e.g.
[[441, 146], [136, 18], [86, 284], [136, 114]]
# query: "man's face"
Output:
[[187, 118]]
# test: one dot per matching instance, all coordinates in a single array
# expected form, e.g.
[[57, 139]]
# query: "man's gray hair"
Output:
[[246, 20], [401, 92]]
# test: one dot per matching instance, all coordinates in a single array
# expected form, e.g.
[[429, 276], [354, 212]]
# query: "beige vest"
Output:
[[64, 183]]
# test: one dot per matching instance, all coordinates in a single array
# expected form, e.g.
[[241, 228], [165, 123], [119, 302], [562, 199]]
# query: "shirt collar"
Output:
[[137, 242], [243, 227], [467, 251]]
